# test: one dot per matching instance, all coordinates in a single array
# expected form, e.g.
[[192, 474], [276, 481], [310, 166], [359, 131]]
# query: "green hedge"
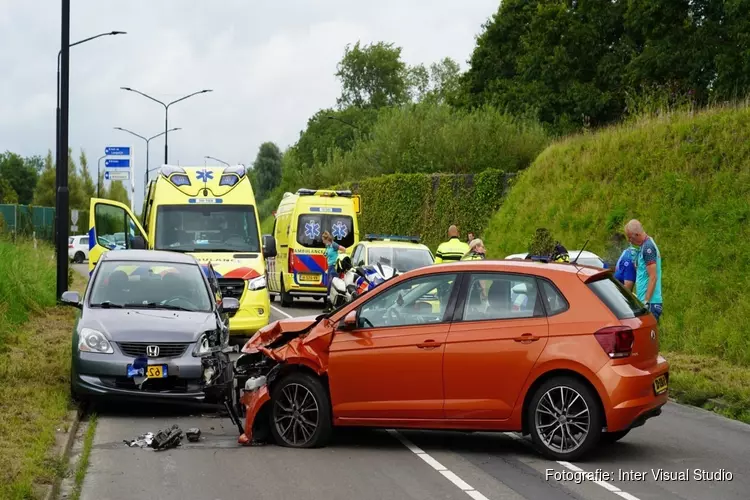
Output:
[[426, 205]]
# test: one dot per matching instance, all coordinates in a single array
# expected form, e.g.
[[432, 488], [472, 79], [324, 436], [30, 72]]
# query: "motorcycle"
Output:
[[354, 281]]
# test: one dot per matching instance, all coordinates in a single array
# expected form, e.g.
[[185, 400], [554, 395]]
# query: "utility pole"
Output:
[[62, 195]]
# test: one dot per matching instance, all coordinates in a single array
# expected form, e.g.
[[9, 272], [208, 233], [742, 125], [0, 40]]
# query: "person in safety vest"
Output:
[[453, 249], [476, 251]]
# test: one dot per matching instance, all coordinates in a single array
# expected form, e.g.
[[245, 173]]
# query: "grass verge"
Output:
[[34, 395], [83, 462], [710, 383]]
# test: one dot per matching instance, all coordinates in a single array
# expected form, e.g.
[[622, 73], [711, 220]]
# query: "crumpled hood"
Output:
[[149, 325], [274, 331]]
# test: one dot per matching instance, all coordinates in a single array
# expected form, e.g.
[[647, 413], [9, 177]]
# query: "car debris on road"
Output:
[[165, 439]]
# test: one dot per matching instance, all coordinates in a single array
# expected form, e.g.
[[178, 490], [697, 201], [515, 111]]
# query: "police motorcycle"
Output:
[[354, 281]]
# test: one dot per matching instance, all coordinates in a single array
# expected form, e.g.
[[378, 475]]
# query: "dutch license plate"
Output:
[[309, 277], [660, 384], [152, 371]]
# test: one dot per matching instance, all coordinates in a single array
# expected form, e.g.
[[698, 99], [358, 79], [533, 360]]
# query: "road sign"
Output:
[[117, 175], [117, 151], [124, 163], [106, 175], [74, 227], [74, 216]]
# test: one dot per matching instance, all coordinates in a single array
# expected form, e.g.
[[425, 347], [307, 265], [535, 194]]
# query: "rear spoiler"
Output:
[[588, 278]]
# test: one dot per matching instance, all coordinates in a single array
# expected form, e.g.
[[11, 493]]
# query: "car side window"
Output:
[[417, 301], [85, 241], [495, 296], [555, 302], [357, 255], [110, 219]]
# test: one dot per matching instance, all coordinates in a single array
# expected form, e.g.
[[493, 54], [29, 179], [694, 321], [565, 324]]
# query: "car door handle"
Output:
[[429, 344], [526, 338]]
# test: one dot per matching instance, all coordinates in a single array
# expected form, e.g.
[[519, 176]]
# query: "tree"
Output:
[[267, 168], [20, 175], [44, 194], [372, 76], [440, 84], [7, 193], [89, 189], [117, 192]]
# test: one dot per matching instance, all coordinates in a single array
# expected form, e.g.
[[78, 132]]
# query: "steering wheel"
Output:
[[393, 314], [180, 297]]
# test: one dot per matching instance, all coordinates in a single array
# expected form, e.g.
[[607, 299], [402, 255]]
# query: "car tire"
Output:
[[78, 257], [286, 299], [295, 389], [579, 405], [613, 437]]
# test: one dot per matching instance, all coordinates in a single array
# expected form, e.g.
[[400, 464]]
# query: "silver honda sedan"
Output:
[[152, 325]]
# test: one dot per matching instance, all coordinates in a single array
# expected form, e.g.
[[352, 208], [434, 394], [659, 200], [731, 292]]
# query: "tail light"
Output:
[[617, 341], [291, 262], [70, 245]]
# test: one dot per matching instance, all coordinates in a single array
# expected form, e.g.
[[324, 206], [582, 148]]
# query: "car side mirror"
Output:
[[269, 246], [71, 298], [230, 304], [349, 322], [138, 243]]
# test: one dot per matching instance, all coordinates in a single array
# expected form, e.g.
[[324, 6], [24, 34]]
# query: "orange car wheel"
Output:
[[301, 412], [564, 418]]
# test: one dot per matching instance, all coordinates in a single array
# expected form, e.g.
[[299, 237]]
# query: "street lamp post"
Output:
[[145, 186], [166, 111], [216, 159], [99, 176], [61, 144]]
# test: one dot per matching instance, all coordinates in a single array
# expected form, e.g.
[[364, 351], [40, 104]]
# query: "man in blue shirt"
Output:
[[625, 267], [648, 268]]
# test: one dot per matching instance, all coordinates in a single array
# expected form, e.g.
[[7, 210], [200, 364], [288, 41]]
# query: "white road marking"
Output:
[[448, 474], [282, 312], [604, 484]]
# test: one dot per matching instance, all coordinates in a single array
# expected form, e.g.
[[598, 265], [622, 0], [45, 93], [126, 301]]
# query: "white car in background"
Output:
[[78, 248], [586, 259]]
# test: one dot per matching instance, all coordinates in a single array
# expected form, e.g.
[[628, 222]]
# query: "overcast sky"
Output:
[[270, 64]]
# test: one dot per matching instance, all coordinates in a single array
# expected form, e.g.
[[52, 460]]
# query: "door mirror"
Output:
[[71, 298], [349, 322], [230, 304], [269, 246], [138, 243]]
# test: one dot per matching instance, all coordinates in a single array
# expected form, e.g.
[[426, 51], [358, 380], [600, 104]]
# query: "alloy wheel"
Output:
[[562, 419], [296, 414]]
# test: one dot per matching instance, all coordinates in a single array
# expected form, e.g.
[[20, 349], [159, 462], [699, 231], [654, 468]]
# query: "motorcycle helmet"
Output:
[[343, 263]]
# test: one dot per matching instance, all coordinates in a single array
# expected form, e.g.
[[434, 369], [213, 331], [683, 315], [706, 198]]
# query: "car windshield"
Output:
[[150, 285], [203, 228], [622, 303], [401, 259]]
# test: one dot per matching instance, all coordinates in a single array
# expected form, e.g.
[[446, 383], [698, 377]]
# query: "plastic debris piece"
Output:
[[167, 438], [143, 441], [193, 434]]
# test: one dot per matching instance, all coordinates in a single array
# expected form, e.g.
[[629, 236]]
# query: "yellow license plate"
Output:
[[660, 384], [156, 371], [309, 277]]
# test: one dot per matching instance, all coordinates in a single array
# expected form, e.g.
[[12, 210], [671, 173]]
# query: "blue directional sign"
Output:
[[124, 163], [106, 175], [117, 151]]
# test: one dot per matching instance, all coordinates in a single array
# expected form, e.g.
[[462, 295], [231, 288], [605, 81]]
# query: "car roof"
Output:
[[395, 244], [149, 256], [511, 266]]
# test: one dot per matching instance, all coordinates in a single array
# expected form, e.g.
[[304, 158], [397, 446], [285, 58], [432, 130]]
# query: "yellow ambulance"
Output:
[[298, 268], [209, 212]]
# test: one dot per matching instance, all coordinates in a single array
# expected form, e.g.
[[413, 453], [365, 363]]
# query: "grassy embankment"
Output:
[[34, 368], [687, 178]]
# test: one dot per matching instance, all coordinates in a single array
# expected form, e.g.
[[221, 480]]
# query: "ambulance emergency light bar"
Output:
[[323, 192], [391, 237]]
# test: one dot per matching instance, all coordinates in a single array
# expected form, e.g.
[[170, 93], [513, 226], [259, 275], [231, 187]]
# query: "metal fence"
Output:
[[27, 221]]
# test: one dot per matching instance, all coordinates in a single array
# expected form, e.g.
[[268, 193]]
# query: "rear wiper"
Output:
[[155, 305]]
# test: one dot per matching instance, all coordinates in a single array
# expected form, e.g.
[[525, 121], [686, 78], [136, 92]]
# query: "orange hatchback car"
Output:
[[558, 351]]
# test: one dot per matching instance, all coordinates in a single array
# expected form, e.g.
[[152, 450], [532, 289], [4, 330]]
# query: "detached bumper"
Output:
[[253, 401], [254, 313]]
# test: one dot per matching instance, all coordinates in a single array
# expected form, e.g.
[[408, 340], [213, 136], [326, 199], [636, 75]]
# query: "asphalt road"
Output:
[[383, 464]]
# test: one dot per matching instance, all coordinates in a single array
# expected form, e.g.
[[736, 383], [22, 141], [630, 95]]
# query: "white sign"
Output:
[[117, 175], [74, 216], [74, 228]]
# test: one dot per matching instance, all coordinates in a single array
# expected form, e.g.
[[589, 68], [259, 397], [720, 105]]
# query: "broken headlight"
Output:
[[207, 343], [94, 341]]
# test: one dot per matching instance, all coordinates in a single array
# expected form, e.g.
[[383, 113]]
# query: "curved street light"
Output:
[[145, 186], [216, 159], [166, 111]]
